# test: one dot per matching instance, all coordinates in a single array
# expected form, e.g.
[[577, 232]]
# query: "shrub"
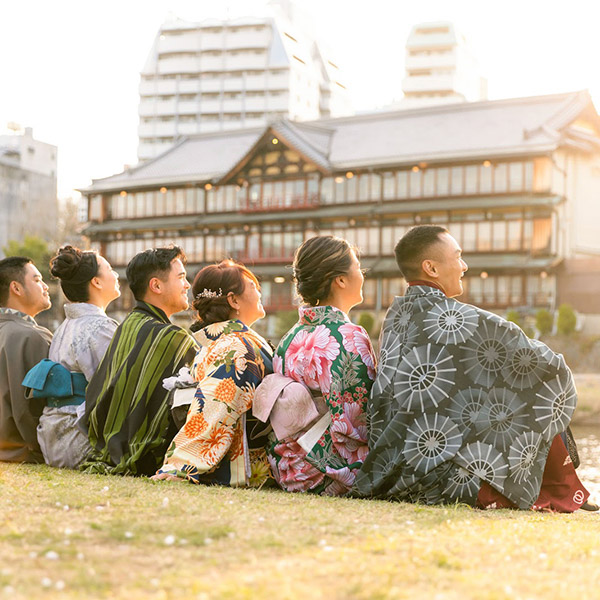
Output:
[[367, 320], [567, 320], [514, 317], [544, 321]]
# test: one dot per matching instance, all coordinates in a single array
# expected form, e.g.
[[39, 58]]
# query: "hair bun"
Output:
[[66, 263]]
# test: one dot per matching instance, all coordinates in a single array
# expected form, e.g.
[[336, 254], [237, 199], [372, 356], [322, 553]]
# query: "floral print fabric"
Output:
[[212, 446], [462, 397], [333, 357]]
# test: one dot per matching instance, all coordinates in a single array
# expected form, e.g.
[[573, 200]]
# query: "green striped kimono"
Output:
[[127, 415]]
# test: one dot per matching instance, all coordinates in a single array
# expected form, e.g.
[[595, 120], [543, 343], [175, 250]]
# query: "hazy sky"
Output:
[[70, 68]]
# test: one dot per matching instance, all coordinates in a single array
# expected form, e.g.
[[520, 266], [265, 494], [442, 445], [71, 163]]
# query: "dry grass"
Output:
[[68, 535], [588, 399]]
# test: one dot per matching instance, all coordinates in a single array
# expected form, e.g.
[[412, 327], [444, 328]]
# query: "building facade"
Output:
[[440, 67], [219, 75], [515, 181], [28, 201]]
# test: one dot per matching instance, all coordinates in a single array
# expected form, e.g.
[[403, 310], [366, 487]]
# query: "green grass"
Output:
[[68, 535]]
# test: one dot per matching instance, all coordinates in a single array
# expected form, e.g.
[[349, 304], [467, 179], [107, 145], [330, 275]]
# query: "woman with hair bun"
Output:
[[219, 442], [334, 358], [90, 285]]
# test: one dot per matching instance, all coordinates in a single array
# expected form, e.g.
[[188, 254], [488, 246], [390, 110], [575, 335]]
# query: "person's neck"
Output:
[[336, 303], [425, 281], [23, 309], [157, 304]]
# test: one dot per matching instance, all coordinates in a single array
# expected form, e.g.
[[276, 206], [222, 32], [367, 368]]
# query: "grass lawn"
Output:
[[68, 535], [588, 399]]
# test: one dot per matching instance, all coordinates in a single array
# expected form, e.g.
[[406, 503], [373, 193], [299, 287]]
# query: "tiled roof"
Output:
[[476, 130]]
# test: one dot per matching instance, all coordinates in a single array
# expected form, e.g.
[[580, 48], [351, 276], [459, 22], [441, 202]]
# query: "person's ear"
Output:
[[429, 268], [96, 283], [233, 301], [340, 280], [16, 288], [155, 285]]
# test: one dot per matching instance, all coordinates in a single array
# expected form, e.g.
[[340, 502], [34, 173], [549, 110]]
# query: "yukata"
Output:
[[23, 343], [466, 408], [334, 358], [78, 344], [127, 415], [221, 443]]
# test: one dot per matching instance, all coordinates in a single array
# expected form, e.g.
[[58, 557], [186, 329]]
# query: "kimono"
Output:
[[334, 358], [463, 401], [23, 343], [218, 443], [78, 344], [127, 416]]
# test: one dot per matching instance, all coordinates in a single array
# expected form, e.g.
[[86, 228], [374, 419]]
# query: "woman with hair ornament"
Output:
[[334, 358], [220, 442]]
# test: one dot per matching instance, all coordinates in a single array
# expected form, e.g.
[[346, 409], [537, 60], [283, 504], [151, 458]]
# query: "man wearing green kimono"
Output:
[[127, 417]]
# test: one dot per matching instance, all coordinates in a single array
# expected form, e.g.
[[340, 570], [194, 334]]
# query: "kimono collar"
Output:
[[152, 310], [74, 310], [315, 315], [17, 313], [423, 282]]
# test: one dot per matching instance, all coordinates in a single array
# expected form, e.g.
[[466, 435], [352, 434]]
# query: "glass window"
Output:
[[140, 204], [486, 179], [516, 290], [253, 242], [515, 176], [149, 209], [402, 184], [542, 232], [375, 187], [455, 230], [160, 203], [340, 190], [352, 189], [456, 181], [484, 237], [364, 187], [370, 292], [170, 205], [442, 182], [469, 237], [498, 235], [179, 201], [514, 234], [312, 188], [500, 177], [475, 290], [471, 179], [298, 187], [362, 239], [488, 287], [254, 195], [528, 184], [542, 174], [389, 186], [415, 178], [327, 190], [429, 182], [502, 289]]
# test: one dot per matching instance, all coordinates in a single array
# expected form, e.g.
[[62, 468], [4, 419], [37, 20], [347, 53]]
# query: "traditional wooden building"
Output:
[[516, 181]]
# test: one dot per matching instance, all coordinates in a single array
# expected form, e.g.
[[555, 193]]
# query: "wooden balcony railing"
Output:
[[282, 203]]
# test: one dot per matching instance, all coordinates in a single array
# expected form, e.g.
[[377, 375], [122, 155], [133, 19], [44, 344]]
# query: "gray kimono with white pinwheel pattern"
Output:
[[462, 396]]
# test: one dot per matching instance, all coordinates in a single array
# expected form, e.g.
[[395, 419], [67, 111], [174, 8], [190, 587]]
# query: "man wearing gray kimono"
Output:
[[23, 343], [465, 407]]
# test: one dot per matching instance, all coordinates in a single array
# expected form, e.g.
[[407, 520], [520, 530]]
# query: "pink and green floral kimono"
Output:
[[219, 442], [333, 357]]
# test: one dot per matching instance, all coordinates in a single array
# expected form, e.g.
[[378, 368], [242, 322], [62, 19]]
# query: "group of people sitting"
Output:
[[460, 406]]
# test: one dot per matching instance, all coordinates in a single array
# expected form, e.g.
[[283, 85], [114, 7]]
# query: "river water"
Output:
[[588, 445]]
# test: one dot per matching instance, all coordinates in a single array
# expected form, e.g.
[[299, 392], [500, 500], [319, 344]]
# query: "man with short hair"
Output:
[[465, 407], [23, 343], [128, 420]]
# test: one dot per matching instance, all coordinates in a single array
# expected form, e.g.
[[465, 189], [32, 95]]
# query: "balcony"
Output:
[[281, 203], [277, 256]]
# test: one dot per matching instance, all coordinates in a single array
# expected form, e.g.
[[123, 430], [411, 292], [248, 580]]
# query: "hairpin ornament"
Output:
[[209, 294]]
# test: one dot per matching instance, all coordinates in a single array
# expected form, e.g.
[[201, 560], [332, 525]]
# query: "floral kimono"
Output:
[[335, 359], [214, 445]]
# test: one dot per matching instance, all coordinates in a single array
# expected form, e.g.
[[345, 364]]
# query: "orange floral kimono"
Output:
[[220, 441]]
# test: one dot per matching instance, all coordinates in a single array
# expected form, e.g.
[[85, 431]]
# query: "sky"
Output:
[[70, 68]]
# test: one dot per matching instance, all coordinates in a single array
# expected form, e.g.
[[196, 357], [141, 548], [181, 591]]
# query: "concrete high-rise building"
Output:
[[440, 67], [28, 202], [227, 74]]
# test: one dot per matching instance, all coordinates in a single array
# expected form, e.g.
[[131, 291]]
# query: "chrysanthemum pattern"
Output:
[[555, 405], [524, 368], [485, 462], [501, 418], [450, 322], [424, 378], [465, 406], [523, 455], [431, 440], [487, 352]]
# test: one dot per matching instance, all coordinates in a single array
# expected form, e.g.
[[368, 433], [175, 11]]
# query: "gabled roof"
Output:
[[446, 133]]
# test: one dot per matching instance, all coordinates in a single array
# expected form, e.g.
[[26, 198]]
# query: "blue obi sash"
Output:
[[60, 387]]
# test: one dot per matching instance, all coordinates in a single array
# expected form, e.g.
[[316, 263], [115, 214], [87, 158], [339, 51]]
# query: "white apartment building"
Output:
[[440, 67], [28, 203], [228, 74]]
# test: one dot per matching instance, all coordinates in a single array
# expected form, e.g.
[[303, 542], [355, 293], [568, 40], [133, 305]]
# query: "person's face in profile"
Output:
[[449, 265]]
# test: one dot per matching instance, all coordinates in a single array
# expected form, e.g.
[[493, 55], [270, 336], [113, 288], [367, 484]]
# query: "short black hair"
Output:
[[412, 246], [11, 269], [154, 262]]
